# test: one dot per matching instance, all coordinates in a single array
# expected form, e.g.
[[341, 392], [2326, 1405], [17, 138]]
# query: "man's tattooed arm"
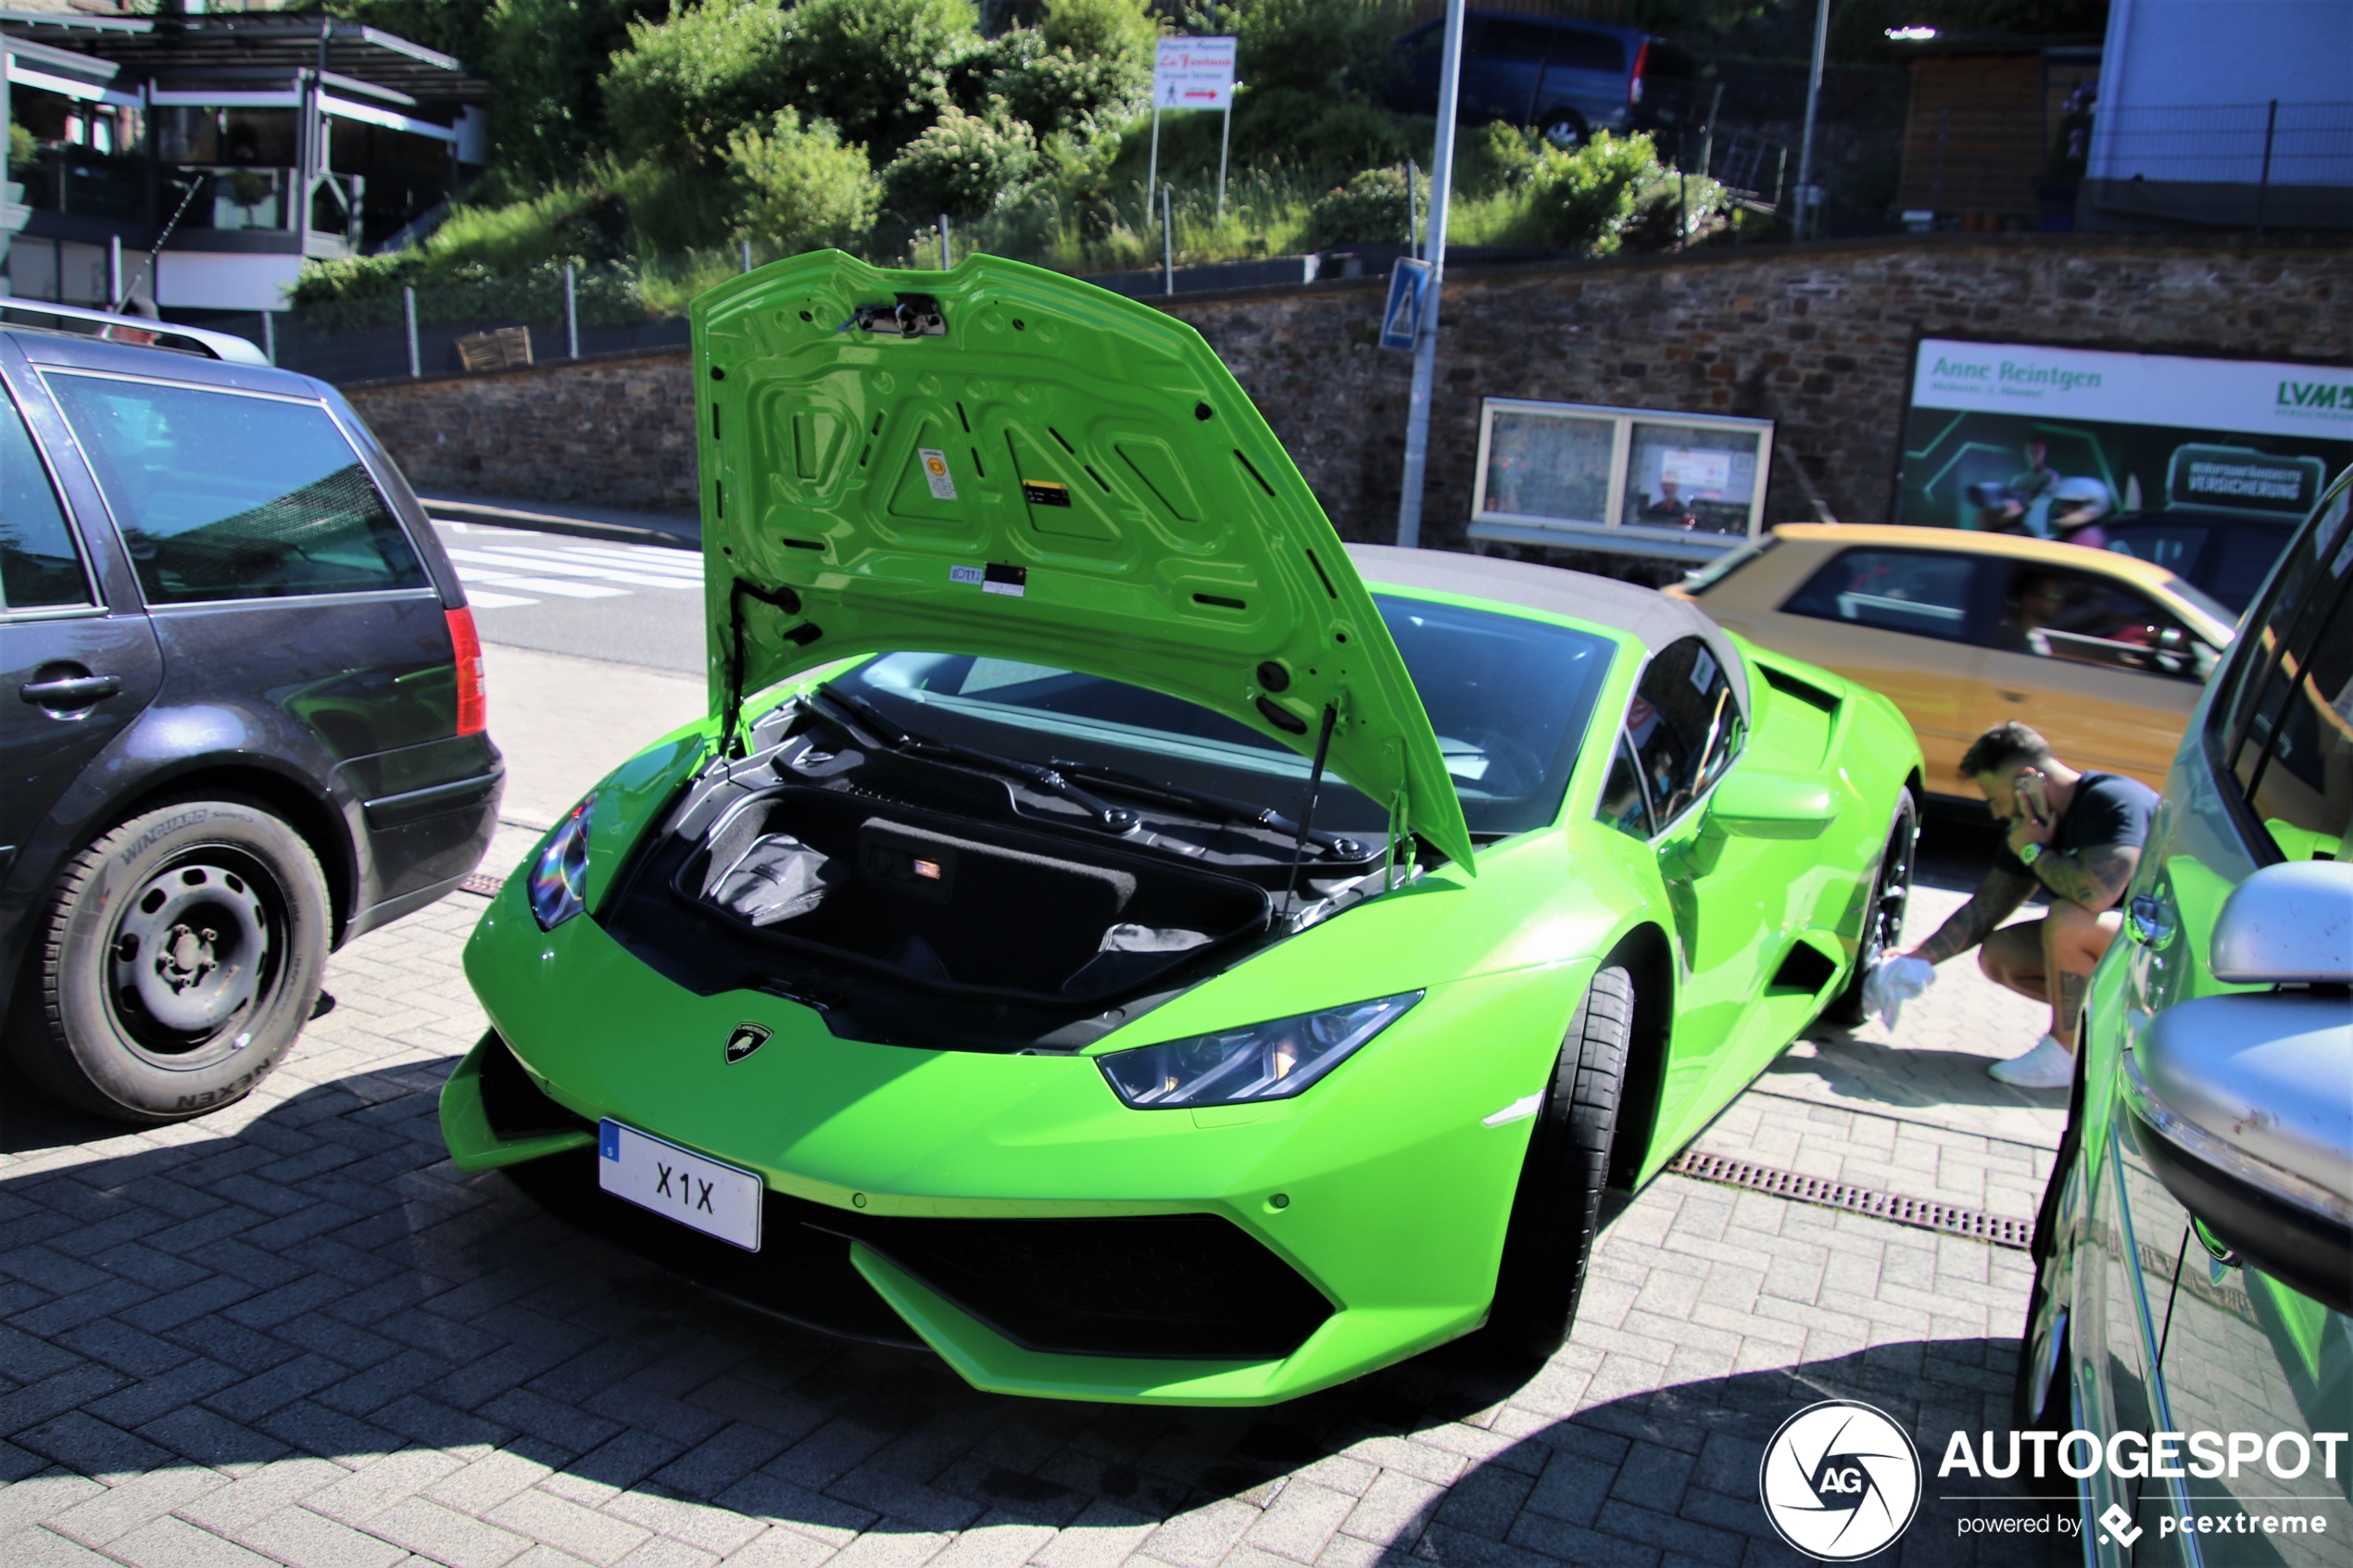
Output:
[[2096, 879], [1996, 899]]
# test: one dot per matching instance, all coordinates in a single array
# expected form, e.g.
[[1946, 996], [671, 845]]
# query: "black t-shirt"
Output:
[[2108, 812]]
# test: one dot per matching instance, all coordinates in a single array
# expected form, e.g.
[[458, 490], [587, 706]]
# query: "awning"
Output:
[[391, 120]]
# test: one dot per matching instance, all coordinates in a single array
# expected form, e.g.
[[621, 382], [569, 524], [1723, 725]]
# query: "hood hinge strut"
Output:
[[1314, 791], [731, 744]]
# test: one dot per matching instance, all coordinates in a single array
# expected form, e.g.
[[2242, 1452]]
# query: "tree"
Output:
[[686, 85], [877, 68]]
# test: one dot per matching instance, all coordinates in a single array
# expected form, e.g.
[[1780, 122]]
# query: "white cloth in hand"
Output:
[[1892, 982]]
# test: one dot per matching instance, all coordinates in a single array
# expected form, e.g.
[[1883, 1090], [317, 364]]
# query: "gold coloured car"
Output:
[[2103, 653]]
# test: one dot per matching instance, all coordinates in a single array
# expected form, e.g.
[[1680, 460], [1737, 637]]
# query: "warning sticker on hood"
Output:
[[1045, 493], [994, 578], [943, 484]]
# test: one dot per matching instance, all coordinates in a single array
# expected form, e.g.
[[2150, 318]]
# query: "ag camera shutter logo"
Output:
[[1839, 1481]]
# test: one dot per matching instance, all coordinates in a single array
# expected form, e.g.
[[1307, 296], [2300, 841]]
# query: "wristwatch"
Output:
[[2031, 854]]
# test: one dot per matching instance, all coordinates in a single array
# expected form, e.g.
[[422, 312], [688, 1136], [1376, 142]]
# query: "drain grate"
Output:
[[1919, 1212], [482, 883]]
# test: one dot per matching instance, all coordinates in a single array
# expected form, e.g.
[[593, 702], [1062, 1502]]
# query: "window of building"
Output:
[[1634, 481]]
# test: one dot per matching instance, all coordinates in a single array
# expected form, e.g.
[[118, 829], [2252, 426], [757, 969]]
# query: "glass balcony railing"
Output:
[[63, 177]]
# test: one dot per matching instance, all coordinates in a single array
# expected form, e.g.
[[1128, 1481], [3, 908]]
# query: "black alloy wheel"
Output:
[[1883, 916]]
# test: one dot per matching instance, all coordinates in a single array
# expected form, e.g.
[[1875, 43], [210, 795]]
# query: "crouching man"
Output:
[[2079, 837]]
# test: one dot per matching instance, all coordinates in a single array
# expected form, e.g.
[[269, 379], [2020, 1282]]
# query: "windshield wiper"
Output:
[[1111, 819], [1243, 813]]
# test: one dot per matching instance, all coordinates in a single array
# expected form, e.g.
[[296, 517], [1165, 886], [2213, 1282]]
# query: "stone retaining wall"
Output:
[[1817, 337]]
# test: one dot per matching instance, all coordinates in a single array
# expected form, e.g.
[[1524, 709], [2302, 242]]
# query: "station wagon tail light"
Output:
[[473, 713], [1641, 62], [1258, 1062], [559, 877]]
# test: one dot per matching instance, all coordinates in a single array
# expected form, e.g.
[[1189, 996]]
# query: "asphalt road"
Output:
[[628, 604]]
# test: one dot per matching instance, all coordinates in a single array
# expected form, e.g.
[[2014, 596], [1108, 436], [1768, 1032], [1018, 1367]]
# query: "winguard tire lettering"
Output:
[[178, 960]]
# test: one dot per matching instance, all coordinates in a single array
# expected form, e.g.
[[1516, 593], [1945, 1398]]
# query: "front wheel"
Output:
[[1556, 1213], [180, 959], [1883, 916]]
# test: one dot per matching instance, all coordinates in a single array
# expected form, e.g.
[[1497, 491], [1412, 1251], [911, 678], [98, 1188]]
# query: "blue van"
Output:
[[1568, 80]]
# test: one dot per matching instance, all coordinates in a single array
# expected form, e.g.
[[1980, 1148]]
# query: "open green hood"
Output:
[[1000, 460]]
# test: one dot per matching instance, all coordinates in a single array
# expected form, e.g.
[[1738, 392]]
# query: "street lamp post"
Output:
[[1808, 197], [1441, 179]]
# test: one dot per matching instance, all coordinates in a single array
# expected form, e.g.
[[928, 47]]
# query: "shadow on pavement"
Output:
[[321, 1281]]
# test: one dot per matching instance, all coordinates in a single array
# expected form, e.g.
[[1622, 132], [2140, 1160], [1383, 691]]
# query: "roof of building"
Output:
[[274, 41]]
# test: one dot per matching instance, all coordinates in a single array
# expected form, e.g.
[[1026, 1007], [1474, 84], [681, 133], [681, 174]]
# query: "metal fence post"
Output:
[[572, 312], [944, 262], [1944, 132], [270, 336], [409, 310], [1168, 246], [747, 254], [2263, 186]]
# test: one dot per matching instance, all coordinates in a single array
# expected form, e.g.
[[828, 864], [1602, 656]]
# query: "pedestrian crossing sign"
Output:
[[1401, 321]]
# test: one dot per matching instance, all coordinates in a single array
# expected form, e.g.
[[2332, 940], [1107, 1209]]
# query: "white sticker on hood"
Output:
[[943, 484]]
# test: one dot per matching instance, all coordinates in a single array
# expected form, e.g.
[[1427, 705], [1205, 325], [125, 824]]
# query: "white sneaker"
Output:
[[2048, 1066]]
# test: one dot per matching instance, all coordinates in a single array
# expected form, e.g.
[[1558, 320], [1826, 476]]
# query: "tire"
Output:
[[1556, 1211], [2040, 1396], [177, 962], [1563, 130], [1883, 916]]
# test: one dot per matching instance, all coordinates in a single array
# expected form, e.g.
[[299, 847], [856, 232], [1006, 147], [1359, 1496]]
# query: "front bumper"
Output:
[[951, 1197]]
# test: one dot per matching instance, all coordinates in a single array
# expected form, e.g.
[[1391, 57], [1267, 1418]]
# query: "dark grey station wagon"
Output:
[[241, 707]]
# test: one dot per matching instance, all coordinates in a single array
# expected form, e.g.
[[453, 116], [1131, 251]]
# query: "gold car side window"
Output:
[[2083, 617], [1923, 592]]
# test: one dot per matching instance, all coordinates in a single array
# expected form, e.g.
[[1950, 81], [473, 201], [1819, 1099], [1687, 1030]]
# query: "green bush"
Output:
[[1089, 65], [545, 57], [1330, 48], [803, 189], [1312, 131], [366, 291], [1583, 200], [963, 165], [879, 70], [1369, 209], [686, 84]]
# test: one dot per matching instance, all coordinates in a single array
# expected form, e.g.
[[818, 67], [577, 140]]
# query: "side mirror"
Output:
[[1756, 804], [2244, 1104]]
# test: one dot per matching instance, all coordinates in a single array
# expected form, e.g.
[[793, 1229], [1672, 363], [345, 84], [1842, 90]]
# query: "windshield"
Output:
[[1509, 698]]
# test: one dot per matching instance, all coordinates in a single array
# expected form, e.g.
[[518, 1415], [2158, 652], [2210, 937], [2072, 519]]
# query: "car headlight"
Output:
[[1258, 1062], [560, 878]]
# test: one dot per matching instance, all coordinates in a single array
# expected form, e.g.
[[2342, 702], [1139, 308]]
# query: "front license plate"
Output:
[[715, 1200]]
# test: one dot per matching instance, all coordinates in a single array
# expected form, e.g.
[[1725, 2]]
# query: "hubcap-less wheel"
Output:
[[1565, 134], [188, 956], [176, 962]]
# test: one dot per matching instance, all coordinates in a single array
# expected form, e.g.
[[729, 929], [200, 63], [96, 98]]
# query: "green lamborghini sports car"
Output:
[[1111, 933]]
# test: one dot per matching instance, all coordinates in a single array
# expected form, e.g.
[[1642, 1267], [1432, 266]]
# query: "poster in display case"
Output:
[[1633, 481]]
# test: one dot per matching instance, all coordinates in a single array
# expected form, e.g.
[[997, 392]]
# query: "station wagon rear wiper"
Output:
[[1244, 813], [1111, 819]]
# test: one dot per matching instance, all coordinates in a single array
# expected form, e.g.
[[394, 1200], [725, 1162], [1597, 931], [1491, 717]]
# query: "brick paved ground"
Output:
[[292, 1333]]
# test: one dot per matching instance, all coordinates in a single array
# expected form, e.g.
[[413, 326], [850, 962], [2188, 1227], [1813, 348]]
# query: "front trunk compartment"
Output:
[[911, 901], [983, 910]]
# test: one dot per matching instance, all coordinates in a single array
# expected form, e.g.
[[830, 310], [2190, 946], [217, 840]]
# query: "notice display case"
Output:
[[1635, 481]]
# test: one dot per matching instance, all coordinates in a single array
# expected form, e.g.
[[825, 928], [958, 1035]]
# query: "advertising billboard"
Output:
[[1996, 430]]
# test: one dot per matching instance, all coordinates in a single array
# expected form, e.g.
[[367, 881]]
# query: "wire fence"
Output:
[[2273, 143]]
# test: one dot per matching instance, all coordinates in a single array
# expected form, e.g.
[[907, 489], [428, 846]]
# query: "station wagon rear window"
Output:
[[222, 496]]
